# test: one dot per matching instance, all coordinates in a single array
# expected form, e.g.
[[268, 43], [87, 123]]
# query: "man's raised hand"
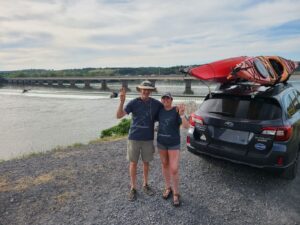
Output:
[[122, 94]]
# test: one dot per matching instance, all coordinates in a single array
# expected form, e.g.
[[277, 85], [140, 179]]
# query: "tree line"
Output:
[[93, 72]]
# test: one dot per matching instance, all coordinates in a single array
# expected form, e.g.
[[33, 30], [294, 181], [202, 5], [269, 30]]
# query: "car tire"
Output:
[[291, 172]]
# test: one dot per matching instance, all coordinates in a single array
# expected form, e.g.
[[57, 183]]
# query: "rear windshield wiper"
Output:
[[222, 113]]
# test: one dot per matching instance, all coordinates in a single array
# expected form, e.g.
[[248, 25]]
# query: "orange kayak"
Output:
[[265, 70], [282, 67]]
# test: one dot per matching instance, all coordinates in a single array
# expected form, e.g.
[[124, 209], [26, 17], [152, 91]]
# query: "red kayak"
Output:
[[265, 70], [217, 71]]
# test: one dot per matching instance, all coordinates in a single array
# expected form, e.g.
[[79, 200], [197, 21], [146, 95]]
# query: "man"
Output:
[[144, 110]]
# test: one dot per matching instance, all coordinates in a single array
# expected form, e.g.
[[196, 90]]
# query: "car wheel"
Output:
[[291, 172]]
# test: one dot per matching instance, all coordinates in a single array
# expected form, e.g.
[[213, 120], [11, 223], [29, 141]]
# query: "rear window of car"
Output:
[[243, 107]]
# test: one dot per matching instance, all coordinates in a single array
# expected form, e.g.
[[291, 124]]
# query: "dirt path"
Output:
[[89, 185]]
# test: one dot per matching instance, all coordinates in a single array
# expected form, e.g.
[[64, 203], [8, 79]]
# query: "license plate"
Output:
[[232, 136]]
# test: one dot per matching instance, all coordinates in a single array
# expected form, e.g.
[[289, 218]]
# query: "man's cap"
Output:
[[146, 85], [167, 94]]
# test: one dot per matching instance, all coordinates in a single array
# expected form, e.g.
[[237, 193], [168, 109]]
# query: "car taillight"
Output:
[[280, 160], [280, 133], [195, 119], [188, 140]]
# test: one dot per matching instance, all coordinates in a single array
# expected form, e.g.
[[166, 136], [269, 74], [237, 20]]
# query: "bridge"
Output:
[[87, 81], [104, 80]]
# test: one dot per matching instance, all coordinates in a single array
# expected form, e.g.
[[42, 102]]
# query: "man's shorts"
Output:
[[135, 149]]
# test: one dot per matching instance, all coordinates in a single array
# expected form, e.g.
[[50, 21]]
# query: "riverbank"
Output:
[[88, 184]]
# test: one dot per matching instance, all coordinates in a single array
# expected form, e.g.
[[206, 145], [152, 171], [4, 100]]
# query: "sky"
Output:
[[68, 34]]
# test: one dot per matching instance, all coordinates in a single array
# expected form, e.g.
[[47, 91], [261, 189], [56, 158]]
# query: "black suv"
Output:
[[249, 124]]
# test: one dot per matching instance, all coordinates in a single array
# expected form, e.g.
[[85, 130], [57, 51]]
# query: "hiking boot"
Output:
[[132, 195], [148, 190]]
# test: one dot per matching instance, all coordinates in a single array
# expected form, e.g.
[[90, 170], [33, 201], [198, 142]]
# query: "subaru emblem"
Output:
[[260, 146], [228, 124]]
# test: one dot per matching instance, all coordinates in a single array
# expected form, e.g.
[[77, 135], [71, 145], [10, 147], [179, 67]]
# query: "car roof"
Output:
[[252, 89]]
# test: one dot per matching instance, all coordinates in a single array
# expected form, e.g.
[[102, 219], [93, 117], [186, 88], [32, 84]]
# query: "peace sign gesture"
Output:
[[181, 109], [122, 94]]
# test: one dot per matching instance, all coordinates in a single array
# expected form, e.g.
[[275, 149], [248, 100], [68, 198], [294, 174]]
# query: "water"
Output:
[[45, 118]]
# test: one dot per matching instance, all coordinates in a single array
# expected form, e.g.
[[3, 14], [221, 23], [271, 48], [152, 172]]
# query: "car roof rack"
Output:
[[250, 88], [243, 85]]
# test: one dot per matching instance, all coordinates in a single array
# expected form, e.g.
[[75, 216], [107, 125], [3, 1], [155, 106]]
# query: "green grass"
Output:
[[30, 155], [76, 145], [106, 139], [39, 153]]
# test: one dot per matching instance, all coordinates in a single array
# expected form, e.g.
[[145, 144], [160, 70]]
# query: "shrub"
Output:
[[120, 129]]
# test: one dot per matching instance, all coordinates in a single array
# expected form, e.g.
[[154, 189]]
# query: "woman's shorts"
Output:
[[135, 149], [168, 147]]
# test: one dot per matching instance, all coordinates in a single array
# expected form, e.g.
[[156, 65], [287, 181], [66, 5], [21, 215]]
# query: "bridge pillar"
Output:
[[87, 84], [3, 81], [72, 83], [104, 85], [153, 83], [60, 83], [125, 85], [188, 87]]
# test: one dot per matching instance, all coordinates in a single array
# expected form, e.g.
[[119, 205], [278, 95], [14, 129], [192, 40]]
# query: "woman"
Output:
[[168, 144]]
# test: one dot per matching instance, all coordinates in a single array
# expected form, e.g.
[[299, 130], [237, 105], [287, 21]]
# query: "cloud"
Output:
[[16, 40], [58, 34]]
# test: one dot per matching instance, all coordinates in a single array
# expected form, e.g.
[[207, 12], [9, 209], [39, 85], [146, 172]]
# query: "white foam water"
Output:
[[54, 94]]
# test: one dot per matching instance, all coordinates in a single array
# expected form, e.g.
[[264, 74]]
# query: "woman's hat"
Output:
[[167, 94], [146, 85]]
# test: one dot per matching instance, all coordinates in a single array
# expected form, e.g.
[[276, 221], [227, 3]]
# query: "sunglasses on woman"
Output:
[[166, 97]]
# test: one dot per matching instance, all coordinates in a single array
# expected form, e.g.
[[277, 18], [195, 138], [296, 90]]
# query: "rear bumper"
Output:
[[254, 160]]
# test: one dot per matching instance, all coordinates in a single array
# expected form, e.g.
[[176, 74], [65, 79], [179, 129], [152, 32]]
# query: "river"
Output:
[[45, 118]]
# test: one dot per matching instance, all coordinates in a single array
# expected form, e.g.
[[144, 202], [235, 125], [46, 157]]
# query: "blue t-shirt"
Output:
[[143, 118], [168, 130]]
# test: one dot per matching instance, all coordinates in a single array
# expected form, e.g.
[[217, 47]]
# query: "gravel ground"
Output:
[[89, 185]]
